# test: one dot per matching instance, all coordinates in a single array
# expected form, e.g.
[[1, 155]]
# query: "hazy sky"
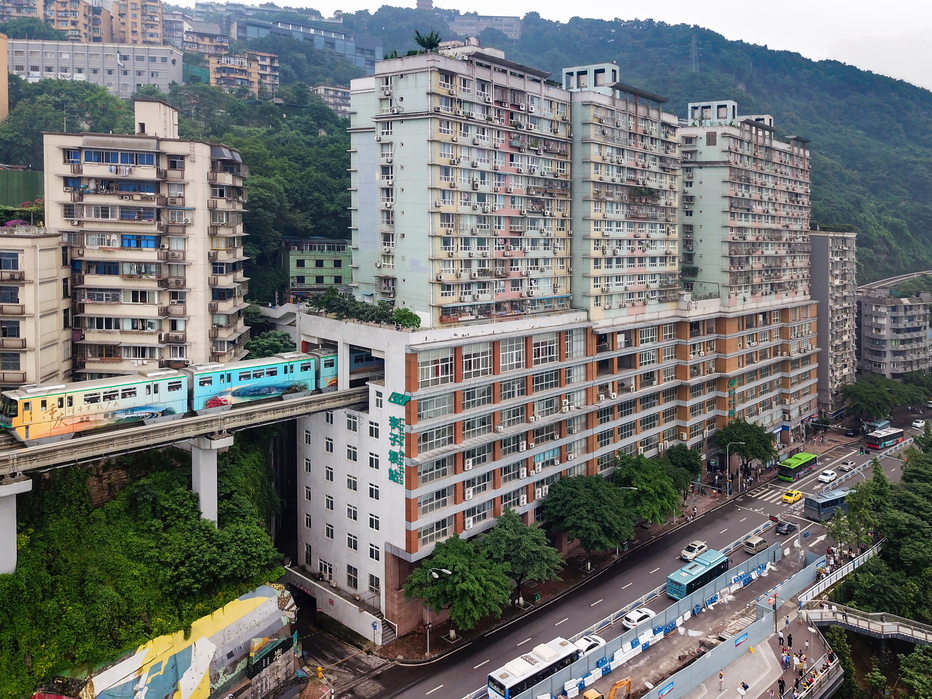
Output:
[[893, 37]]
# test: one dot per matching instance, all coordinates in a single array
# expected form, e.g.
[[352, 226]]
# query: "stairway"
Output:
[[388, 631]]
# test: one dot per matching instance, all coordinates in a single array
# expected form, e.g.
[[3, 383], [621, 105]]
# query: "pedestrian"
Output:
[[789, 641], [796, 684], [805, 664], [694, 510], [780, 637], [807, 645], [781, 685], [770, 693], [786, 622], [721, 680], [795, 662]]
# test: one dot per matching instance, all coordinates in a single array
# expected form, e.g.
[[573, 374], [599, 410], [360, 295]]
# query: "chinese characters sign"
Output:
[[396, 457]]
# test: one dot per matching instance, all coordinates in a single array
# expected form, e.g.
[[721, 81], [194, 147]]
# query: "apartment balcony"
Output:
[[119, 337], [12, 343], [12, 309], [226, 255], [111, 171], [176, 310], [227, 306], [13, 377]]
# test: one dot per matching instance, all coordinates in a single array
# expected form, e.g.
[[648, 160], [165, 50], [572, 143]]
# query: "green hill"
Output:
[[871, 135]]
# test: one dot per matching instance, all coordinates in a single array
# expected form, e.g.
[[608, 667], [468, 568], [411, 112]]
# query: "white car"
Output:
[[827, 476], [590, 644], [637, 617], [919, 424], [846, 466], [693, 549]]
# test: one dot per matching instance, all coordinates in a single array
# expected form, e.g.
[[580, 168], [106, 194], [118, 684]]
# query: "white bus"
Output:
[[535, 666]]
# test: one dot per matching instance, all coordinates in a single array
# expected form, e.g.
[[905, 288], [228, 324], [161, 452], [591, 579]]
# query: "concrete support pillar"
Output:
[[343, 366], [204, 471], [9, 489]]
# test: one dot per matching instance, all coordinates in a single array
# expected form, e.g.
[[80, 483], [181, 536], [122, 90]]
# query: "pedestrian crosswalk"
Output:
[[768, 493]]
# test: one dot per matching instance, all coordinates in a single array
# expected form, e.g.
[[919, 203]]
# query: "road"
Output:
[[642, 570]]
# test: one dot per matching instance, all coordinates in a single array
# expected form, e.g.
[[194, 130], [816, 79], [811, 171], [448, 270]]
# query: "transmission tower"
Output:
[[694, 55]]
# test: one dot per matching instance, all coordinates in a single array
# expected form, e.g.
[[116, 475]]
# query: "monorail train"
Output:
[[36, 414]]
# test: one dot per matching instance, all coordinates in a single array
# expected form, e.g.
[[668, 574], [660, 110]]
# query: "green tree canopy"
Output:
[[522, 549], [875, 396], [476, 586], [31, 28], [916, 672], [428, 42], [269, 344], [866, 502], [654, 497], [757, 442], [590, 509]]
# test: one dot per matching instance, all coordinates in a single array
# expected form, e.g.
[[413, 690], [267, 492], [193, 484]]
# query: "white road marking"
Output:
[[595, 603], [723, 531], [476, 667], [653, 571], [741, 520], [524, 641], [627, 586], [561, 621], [435, 689]]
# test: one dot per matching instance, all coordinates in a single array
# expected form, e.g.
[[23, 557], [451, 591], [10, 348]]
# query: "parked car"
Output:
[[590, 644], [919, 424], [851, 433], [791, 496], [637, 616], [693, 549], [784, 527], [846, 466], [827, 476]]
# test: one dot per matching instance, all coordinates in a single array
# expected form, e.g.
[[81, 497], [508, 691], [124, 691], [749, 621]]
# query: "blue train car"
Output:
[[217, 387], [326, 367]]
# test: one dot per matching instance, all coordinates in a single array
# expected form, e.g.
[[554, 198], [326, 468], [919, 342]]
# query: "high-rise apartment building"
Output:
[[335, 97], [155, 228], [253, 71], [534, 229], [76, 19], [833, 286], [174, 25], [15, 9], [137, 22], [35, 306], [893, 332]]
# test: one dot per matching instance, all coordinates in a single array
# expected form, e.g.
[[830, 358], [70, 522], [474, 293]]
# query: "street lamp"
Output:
[[620, 487], [728, 462], [434, 574]]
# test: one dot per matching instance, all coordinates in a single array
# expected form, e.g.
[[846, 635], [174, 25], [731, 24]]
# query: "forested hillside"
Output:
[[871, 135]]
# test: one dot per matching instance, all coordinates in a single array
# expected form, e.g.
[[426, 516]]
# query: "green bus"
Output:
[[797, 466]]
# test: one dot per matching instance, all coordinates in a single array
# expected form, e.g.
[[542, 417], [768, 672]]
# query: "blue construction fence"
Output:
[[573, 680]]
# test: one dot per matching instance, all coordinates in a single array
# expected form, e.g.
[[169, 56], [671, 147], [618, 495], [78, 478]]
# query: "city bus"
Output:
[[522, 673], [797, 466], [822, 506], [696, 574], [882, 439], [878, 425]]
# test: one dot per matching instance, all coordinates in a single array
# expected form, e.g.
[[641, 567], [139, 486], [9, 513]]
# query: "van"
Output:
[[755, 544]]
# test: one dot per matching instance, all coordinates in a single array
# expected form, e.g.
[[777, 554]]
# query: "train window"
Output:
[[91, 398], [222, 377], [271, 372], [229, 378], [206, 380], [244, 376], [27, 406], [329, 363], [128, 393], [174, 386], [258, 374], [305, 367], [43, 405], [112, 395], [148, 390], [70, 401], [61, 402]]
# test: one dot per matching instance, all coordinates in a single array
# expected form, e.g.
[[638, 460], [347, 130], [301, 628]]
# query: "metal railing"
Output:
[[879, 624], [839, 573], [131, 439]]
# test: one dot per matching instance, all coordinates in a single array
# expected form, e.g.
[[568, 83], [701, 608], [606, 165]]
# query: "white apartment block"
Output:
[[487, 201], [833, 286], [121, 68], [155, 228]]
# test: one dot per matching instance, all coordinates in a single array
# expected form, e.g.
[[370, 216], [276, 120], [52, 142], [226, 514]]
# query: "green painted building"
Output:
[[316, 264]]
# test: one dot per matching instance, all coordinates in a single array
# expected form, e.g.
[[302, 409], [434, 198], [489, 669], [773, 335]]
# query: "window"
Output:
[[352, 513], [433, 501], [374, 429], [513, 389], [373, 491], [352, 422], [511, 354], [477, 397], [544, 348], [328, 530], [512, 472], [351, 452], [436, 531], [325, 569], [308, 556], [378, 399], [373, 461], [435, 367], [307, 520], [575, 343], [328, 417], [352, 483], [432, 470], [477, 360], [374, 552], [352, 577], [435, 438], [352, 542], [373, 522], [328, 445], [328, 502], [307, 492], [546, 380], [477, 426], [436, 406]]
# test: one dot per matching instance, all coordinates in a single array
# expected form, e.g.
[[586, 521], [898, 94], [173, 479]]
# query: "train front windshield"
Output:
[[10, 408]]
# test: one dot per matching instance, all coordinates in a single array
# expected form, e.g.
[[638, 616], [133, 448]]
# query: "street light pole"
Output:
[[728, 461], [434, 574], [623, 487]]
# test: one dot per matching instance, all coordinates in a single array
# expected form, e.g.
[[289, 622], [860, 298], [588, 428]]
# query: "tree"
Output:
[[590, 509], [269, 343], [876, 682], [148, 92], [683, 465], [866, 502], [476, 587], [31, 28], [523, 550], [838, 641], [875, 396], [916, 672], [757, 442], [654, 496], [428, 42], [406, 318]]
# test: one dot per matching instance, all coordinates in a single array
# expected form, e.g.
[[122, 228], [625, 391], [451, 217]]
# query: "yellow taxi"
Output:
[[791, 496]]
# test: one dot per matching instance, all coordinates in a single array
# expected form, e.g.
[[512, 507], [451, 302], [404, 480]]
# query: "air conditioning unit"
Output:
[[333, 583], [533, 418], [786, 401], [538, 468], [575, 430], [467, 521], [378, 264], [684, 436], [706, 433], [601, 396], [662, 446], [467, 494], [544, 490], [565, 409], [640, 450], [538, 493], [75, 222], [530, 445], [613, 395], [522, 446], [467, 465], [522, 500]]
